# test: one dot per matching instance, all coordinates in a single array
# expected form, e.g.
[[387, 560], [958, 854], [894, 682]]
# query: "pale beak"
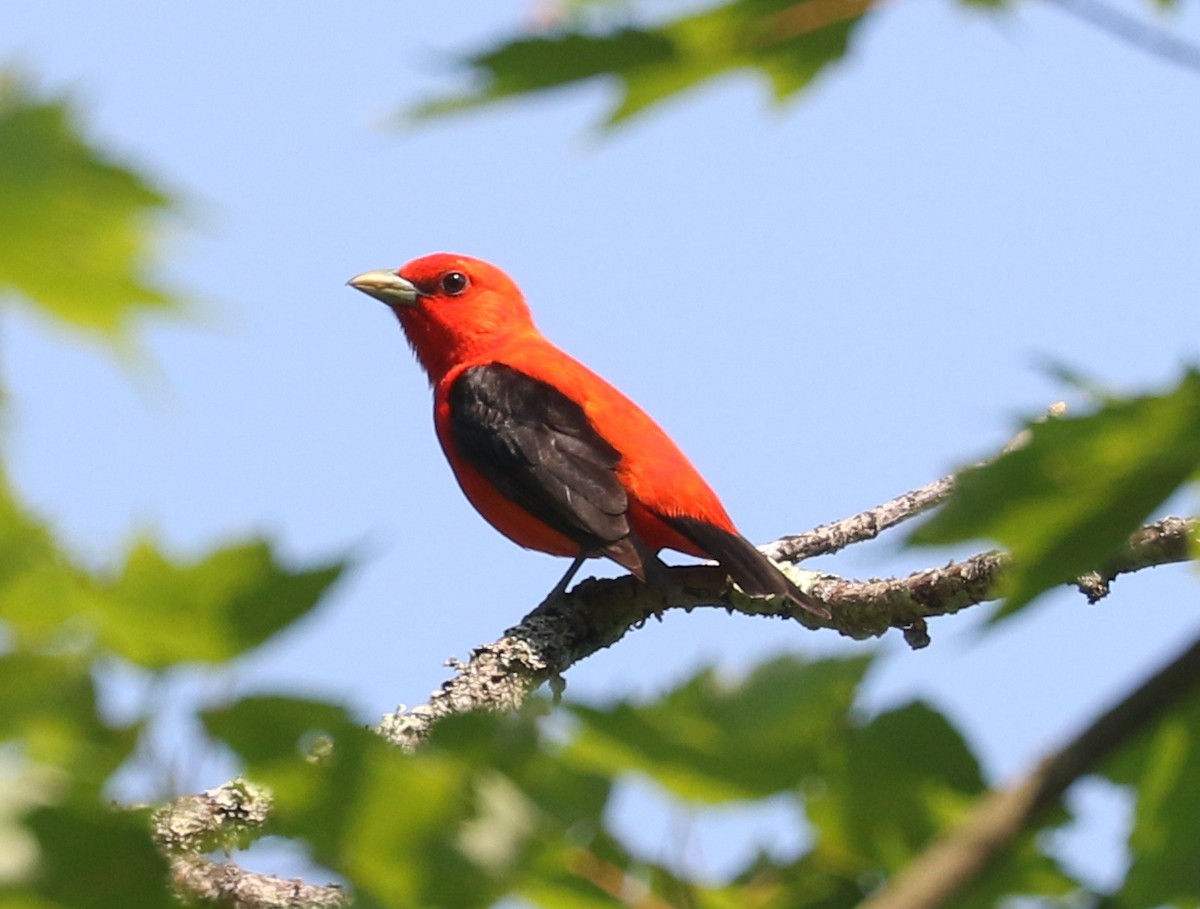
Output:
[[386, 286]]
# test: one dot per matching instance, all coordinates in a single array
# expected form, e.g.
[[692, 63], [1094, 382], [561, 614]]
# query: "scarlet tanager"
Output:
[[548, 452]]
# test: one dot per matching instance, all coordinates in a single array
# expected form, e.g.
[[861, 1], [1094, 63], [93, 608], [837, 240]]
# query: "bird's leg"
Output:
[[657, 575], [561, 587]]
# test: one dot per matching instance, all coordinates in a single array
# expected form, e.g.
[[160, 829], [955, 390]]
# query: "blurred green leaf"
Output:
[[23, 899], [527, 65], [279, 738], [562, 889], [566, 876], [93, 857], [512, 745], [900, 778], [1067, 501], [389, 822], [48, 704], [603, 875], [715, 742], [492, 807], [158, 612], [485, 808], [79, 230], [1163, 770], [1025, 875], [269, 730], [787, 41], [40, 588], [811, 882]]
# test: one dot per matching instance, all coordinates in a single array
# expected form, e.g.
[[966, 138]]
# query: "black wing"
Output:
[[538, 448]]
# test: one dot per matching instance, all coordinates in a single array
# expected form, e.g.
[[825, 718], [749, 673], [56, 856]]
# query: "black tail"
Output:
[[751, 569]]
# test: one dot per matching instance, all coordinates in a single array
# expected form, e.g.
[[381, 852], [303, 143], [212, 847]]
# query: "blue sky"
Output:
[[826, 303]]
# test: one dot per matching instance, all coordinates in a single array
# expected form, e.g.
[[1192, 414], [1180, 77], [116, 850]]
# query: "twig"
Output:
[[829, 538], [1132, 31], [951, 863]]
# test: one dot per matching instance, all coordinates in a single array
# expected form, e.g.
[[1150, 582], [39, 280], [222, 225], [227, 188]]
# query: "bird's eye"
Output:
[[453, 283]]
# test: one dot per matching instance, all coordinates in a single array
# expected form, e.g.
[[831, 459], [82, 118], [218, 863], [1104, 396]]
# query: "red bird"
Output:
[[548, 452]]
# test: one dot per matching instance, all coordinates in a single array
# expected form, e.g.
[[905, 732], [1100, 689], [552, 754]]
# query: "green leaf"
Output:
[[23, 899], [527, 65], [93, 857], [902, 780], [269, 730], [564, 875], [158, 612], [279, 738], [717, 742], [484, 808], [511, 745], [79, 229], [1067, 501], [899, 779], [561, 889], [1163, 769], [390, 823], [1024, 871], [811, 882], [40, 589], [786, 41], [48, 704]]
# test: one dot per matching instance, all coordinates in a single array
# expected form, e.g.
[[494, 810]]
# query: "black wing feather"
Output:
[[743, 562], [538, 448]]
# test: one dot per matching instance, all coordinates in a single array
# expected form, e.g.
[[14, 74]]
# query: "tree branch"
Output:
[[598, 613], [951, 863], [224, 818], [221, 818], [1160, 543], [196, 878]]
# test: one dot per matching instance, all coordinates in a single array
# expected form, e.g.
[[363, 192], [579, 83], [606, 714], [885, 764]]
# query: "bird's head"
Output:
[[453, 309]]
